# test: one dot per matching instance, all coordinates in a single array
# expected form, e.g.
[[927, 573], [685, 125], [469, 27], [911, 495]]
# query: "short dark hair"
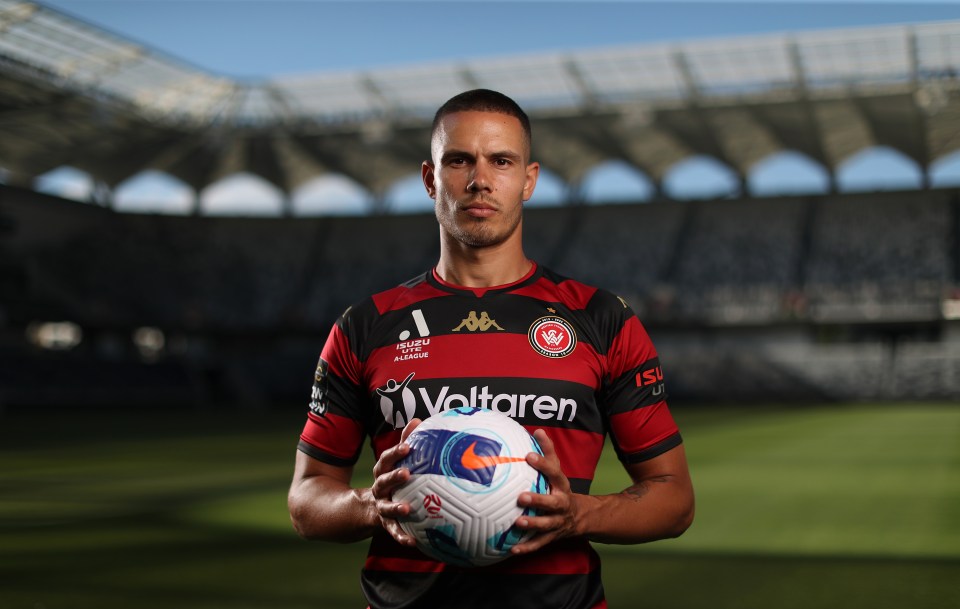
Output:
[[483, 100]]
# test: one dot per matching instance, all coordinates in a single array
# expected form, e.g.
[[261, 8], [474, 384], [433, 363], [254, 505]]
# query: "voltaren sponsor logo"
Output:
[[399, 402], [514, 405]]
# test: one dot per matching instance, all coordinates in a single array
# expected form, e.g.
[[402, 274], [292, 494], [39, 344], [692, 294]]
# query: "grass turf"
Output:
[[839, 506]]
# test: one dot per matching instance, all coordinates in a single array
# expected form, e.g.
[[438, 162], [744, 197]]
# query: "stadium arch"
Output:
[[155, 192], [244, 192], [945, 171], [788, 172], [879, 168], [552, 190], [330, 194], [616, 181], [407, 196], [67, 182], [701, 177]]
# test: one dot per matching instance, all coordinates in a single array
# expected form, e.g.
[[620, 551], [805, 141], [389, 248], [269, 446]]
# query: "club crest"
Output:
[[552, 336]]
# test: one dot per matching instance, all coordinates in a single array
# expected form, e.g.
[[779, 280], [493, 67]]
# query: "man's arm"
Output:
[[659, 504], [324, 506]]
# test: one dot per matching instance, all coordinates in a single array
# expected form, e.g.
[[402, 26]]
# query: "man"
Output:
[[488, 322]]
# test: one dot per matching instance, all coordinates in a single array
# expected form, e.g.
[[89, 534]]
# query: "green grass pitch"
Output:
[[844, 506]]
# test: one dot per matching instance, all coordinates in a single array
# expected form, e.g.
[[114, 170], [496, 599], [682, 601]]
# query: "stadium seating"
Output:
[[815, 298], [885, 256]]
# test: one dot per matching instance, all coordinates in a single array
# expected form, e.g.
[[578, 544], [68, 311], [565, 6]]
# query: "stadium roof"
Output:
[[73, 94]]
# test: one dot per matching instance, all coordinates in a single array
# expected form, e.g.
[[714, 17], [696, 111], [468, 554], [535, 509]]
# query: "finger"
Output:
[[549, 463], [384, 484], [546, 444], [543, 503], [388, 458], [396, 531], [541, 524], [409, 429], [533, 544], [391, 510]]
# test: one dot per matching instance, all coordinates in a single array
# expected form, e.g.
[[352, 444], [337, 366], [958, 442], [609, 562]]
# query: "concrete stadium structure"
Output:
[[832, 296], [121, 108]]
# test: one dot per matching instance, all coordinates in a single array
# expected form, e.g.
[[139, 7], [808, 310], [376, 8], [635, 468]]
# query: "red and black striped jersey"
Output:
[[550, 352]]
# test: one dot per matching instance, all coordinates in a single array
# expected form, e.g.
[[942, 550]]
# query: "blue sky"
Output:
[[256, 39]]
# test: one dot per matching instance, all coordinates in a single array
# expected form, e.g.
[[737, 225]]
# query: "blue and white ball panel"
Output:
[[468, 469]]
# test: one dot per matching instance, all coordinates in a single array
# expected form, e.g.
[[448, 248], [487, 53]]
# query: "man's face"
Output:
[[479, 176]]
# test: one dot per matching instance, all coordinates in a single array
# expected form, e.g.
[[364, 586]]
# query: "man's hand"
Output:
[[387, 477], [559, 510], [658, 505]]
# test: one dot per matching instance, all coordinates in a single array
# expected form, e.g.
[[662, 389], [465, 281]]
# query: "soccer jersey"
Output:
[[550, 352]]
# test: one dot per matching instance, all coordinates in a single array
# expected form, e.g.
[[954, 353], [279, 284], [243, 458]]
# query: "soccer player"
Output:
[[488, 327]]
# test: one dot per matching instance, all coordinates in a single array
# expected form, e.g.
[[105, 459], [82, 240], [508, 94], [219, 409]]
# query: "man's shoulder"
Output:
[[403, 295], [391, 299], [582, 294]]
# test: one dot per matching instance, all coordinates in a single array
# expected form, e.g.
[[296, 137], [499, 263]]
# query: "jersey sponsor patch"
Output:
[[552, 336], [397, 402], [321, 388]]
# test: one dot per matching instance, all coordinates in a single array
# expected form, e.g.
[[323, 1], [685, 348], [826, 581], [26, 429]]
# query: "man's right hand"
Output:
[[387, 478]]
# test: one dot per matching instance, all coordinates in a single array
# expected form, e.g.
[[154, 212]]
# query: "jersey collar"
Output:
[[532, 275]]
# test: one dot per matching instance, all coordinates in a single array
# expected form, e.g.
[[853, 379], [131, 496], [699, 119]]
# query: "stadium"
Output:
[[811, 340]]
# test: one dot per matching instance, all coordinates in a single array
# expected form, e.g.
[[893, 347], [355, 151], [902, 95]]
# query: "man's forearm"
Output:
[[323, 508], [656, 508]]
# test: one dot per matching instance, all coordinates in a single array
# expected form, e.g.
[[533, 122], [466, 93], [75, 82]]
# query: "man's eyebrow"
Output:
[[462, 154], [506, 154], [455, 154]]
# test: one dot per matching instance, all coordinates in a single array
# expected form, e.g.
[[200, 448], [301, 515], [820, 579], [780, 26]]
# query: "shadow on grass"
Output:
[[720, 581], [100, 512], [172, 564]]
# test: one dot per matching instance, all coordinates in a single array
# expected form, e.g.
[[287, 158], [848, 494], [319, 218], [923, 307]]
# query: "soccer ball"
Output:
[[467, 469]]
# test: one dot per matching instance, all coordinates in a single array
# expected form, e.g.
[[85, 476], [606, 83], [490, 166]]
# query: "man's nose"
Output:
[[480, 178]]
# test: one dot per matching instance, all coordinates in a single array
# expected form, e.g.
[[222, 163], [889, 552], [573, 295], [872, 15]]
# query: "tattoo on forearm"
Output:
[[638, 490]]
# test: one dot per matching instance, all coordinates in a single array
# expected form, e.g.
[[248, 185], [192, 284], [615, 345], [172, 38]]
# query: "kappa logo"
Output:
[[552, 336], [473, 323], [397, 402]]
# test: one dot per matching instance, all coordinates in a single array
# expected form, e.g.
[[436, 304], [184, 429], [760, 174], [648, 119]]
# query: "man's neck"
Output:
[[482, 267]]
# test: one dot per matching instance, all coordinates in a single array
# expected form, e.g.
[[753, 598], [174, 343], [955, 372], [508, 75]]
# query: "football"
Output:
[[467, 469]]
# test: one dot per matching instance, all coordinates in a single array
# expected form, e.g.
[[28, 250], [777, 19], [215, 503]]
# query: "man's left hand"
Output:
[[558, 511]]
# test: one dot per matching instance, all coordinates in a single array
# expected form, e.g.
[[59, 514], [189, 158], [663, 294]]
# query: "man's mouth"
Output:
[[479, 210]]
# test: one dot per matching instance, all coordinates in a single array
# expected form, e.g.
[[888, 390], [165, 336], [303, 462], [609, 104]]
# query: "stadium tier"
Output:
[[821, 297]]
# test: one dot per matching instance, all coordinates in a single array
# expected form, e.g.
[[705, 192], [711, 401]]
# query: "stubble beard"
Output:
[[479, 232]]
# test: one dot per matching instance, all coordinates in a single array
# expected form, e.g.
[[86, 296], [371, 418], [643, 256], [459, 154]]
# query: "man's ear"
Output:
[[533, 172], [429, 179]]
